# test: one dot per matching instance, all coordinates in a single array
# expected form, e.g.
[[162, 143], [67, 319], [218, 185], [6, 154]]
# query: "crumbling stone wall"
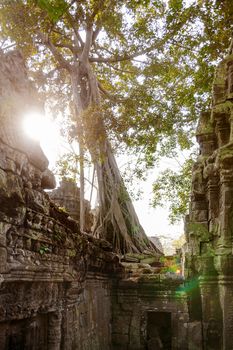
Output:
[[54, 282], [67, 196], [135, 299], [209, 227]]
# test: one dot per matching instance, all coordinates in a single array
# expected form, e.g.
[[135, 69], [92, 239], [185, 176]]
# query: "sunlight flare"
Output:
[[36, 125], [43, 129]]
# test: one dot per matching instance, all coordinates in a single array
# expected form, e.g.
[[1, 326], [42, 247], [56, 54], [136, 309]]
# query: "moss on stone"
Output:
[[205, 125], [224, 107], [198, 230]]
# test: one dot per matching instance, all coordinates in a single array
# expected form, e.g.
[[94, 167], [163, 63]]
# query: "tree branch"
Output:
[[45, 40], [73, 49], [110, 96], [119, 70], [88, 43], [124, 57], [96, 33], [105, 49], [8, 47], [57, 31], [75, 28]]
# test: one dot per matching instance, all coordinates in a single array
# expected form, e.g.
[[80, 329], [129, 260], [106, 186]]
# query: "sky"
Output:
[[154, 221]]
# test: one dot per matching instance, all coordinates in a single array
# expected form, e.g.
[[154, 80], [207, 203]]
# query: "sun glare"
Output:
[[40, 127], [35, 125], [45, 130]]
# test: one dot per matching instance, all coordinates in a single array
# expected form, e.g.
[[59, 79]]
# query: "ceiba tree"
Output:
[[80, 35]]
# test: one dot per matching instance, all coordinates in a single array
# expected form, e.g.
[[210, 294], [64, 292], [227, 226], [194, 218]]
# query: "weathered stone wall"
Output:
[[90, 320], [135, 300], [48, 298], [54, 282], [67, 196], [52, 315], [210, 223]]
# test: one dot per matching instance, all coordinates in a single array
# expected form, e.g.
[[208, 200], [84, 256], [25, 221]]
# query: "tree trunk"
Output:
[[82, 187], [117, 220]]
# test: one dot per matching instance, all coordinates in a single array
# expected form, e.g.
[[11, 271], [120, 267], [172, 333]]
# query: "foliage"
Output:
[[63, 210], [154, 60], [171, 265], [43, 249], [179, 242], [175, 188], [67, 166]]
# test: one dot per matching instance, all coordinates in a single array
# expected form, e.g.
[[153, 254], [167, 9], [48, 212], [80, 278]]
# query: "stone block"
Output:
[[119, 339], [199, 205], [194, 335], [200, 215]]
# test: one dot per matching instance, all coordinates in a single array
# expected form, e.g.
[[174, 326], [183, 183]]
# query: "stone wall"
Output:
[[157, 297], [52, 315], [91, 326], [209, 226], [54, 281], [67, 196]]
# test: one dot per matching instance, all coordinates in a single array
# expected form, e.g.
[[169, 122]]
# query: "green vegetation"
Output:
[[175, 188], [171, 264], [44, 249]]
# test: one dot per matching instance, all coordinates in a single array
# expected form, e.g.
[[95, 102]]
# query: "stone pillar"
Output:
[[213, 203], [231, 125], [219, 86], [224, 266], [226, 300], [207, 142], [214, 260], [222, 129], [3, 335], [226, 208], [230, 79], [3, 247], [54, 330], [211, 313]]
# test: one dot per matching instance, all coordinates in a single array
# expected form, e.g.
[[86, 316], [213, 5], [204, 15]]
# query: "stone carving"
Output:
[[213, 335], [209, 229], [42, 252]]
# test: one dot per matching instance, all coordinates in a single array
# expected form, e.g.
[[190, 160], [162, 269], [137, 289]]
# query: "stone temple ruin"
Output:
[[65, 290], [209, 226], [67, 196]]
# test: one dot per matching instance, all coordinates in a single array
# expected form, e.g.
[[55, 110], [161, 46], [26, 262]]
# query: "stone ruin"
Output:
[[209, 226], [67, 196], [45, 261], [61, 289]]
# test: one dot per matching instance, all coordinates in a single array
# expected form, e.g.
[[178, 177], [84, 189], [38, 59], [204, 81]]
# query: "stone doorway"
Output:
[[159, 331], [26, 334]]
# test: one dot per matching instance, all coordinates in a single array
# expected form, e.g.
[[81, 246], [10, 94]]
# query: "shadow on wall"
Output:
[[159, 335]]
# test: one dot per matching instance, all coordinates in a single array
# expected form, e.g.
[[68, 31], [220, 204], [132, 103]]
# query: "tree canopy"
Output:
[[154, 60], [136, 71]]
